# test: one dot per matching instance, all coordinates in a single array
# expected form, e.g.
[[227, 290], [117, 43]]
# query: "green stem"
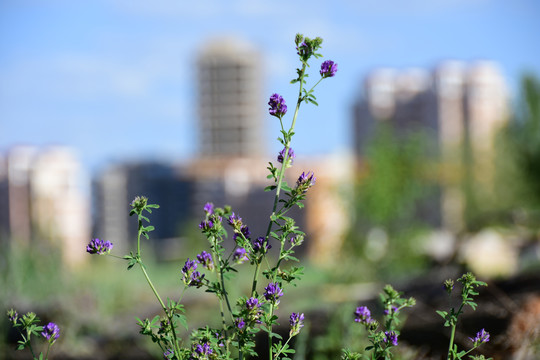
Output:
[[139, 238], [225, 295], [47, 353], [283, 347], [255, 276], [169, 316], [451, 341], [28, 336], [453, 333], [270, 333]]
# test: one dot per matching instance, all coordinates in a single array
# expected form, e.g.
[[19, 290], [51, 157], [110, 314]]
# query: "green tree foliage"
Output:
[[518, 158]]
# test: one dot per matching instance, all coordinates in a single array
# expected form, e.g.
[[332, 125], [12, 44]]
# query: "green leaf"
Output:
[[182, 319], [270, 187], [442, 313]]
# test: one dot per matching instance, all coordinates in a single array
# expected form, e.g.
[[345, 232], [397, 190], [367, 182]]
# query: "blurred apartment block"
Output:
[[230, 94], [43, 198], [459, 106]]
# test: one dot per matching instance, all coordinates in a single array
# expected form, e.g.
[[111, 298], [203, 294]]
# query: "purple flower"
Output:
[[328, 69], [277, 106], [244, 230], [206, 225], [99, 247], [189, 266], [252, 303], [297, 322], [190, 276], [201, 351], [281, 156], [205, 259], [363, 315], [481, 337], [51, 332], [305, 181], [209, 208], [240, 323], [260, 245], [304, 50], [240, 256], [253, 306], [235, 221], [391, 337], [168, 354], [272, 293]]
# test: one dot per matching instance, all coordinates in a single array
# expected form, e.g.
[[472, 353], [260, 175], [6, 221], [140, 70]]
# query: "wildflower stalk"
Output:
[[469, 284], [276, 198], [281, 171]]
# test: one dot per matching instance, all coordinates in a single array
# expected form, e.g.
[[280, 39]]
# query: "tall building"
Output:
[[45, 198], [230, 93], [461, 106]]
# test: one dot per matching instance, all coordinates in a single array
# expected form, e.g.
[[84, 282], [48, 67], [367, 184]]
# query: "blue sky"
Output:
[[115, 78]]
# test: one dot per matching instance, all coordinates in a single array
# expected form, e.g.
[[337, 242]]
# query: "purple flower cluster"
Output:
[[391, 337], [260, 245], [272, 293], [277, 106], [305, 181], [254, 312], [281, 156], [240, 323], [304, 50], [481, 337], [99, 247], [235, 221], [328, 69], [363, 315], [51, 332], [206, 225], [244, 230], [202, 351], [190, 276], [168, 354], [205, 259], [240, 256], [209, 208], [252, 303], [297, 322]]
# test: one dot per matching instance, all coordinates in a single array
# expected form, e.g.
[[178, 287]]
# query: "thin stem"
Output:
[[270, 333], [169, 316], [451, 341], [283, 347], [453, 333], [47, 353], [225, 294], [139, 238]]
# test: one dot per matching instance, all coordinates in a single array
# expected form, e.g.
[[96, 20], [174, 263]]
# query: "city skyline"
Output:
[[116, 80]]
